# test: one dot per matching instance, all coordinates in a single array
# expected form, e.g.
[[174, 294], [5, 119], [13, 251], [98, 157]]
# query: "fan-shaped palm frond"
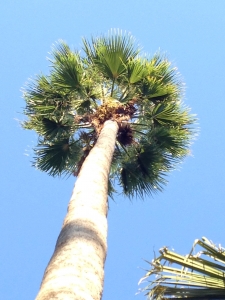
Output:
[[170, 114], [111, 81], [111, 54], [60, 156], [43, 99], [173, 141], [68, 69], [197, 277], [161, 81], [142, 170], [54, 129], [136, 70]]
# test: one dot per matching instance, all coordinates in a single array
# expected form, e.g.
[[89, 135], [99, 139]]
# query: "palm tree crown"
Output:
[[110, 80]]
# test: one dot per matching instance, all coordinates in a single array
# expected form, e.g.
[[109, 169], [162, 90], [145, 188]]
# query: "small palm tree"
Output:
[[111, 118], [198, 278]]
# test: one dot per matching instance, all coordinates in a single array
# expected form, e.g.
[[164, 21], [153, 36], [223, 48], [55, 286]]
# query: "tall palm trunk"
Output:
[[76, 269]]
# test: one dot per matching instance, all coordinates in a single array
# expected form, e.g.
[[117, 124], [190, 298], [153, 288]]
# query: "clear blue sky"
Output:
[[33, 204]]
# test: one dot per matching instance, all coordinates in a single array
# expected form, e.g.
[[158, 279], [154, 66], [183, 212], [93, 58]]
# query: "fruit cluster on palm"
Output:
[[195, 276], [109, 102]]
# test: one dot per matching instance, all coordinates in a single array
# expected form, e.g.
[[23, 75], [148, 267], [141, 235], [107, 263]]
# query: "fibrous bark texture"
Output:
[[76, 269]]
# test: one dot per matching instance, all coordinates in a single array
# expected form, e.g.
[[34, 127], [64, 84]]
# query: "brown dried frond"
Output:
[[125, 134], [78, 119]]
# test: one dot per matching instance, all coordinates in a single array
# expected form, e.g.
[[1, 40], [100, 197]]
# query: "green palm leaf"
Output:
[[161, 82], [141, 169], [174, 141], [111, 53], [43, 99], [198, 278], [61, 156], [51, 128], [67, 70], [136, 70], [57, 129], [170, 114]]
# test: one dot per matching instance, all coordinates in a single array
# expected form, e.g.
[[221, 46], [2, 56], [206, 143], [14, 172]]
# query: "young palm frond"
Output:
[[110, 82], [197, 277], [111, 54]]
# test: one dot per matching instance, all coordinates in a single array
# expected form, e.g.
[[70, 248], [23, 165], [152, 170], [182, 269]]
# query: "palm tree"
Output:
[[110, 117], [198, 278]]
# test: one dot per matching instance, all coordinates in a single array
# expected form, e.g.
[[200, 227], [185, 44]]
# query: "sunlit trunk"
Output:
[[76, 269]]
